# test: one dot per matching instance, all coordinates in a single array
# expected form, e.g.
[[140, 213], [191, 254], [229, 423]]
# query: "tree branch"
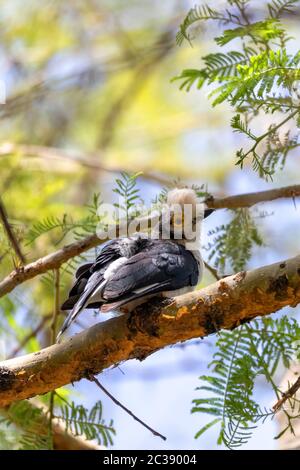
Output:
[[250, 199], [51, 261], [92, 161], [56, 259], [10, 233], [212, 271], [92, 378], [289, 393], [152, 326]]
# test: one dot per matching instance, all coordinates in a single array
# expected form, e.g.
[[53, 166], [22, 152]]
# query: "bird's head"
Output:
[[183, 215]]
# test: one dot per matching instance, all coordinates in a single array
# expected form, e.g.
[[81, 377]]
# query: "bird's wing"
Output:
[[161, 266], [109, 253], [90, 279]]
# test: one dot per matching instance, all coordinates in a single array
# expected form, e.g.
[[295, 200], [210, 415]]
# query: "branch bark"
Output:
[[44, 264], [250, 199], [289, 393], [152, 326], [56, 259], [290, 441]]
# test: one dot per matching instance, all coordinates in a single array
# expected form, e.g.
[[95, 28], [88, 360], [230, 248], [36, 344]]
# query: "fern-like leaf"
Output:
[[80, 228], [261, 31], [196, 14], [31, 419], [233, 242], [278, 8], [241, 356], [80, 421], [126, 188]]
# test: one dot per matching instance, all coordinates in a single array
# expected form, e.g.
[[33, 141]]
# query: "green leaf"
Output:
[[198, 13], [242, 355], [206, 427], [80, 421], [232, 243], [261, 30]]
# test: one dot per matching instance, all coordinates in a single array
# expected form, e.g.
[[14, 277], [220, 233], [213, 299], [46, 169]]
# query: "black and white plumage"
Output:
[[130, 270]]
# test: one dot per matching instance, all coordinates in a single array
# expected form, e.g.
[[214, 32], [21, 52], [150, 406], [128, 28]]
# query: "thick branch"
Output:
[[52, 261], [56, 259], [225, 304]]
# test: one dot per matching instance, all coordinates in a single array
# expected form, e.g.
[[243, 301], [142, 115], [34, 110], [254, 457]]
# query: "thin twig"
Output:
[[212, 271], [92, 378], [291, 391], [270, 131], [10, 234]]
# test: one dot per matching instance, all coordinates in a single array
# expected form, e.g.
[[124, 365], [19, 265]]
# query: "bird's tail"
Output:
[[72, 315], [78, 307]]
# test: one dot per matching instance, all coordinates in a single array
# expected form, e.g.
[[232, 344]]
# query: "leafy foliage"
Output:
[[278, 7], [126, 188], [242, 355], [65, 225], [35, 434], [31, 431], [233, 242], [80, 421], [259, 76], [262, 31], [200, 13]]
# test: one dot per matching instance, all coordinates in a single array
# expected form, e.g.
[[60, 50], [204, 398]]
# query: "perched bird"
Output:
[[128, 271]]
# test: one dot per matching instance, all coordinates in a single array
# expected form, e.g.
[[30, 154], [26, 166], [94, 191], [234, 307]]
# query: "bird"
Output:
[[130, 270]]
